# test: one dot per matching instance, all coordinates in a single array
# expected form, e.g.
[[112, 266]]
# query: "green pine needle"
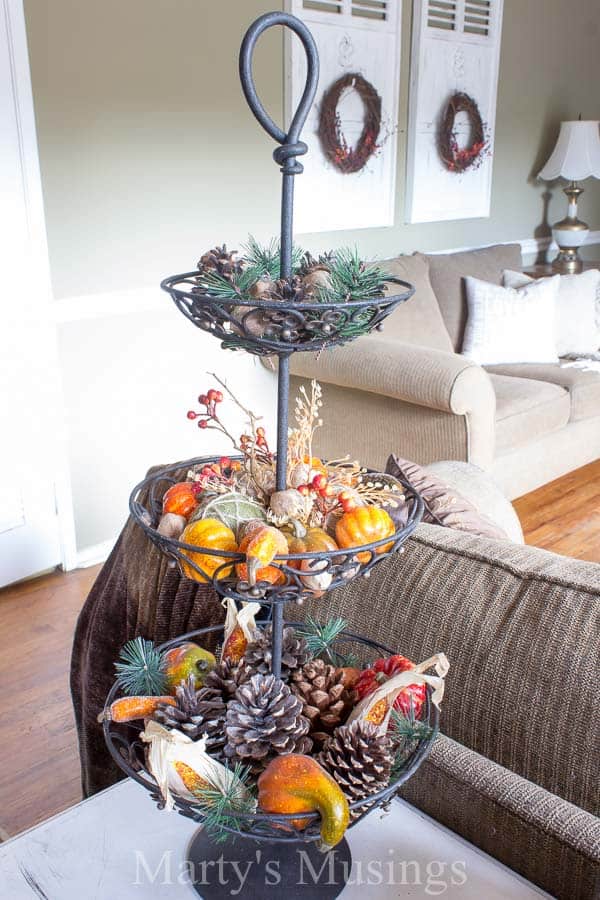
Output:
[[352, 279], [222, 809], [267, 259], [140, 669], [320, 637], [406, 733]]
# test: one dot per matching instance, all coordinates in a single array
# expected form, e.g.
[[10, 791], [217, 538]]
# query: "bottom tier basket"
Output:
[[129, 753]]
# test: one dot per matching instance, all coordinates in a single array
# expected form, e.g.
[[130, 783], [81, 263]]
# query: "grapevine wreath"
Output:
[[455, 158], [349, 159]]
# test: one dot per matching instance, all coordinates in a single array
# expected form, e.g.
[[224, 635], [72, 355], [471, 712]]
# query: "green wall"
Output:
[[149, 154]]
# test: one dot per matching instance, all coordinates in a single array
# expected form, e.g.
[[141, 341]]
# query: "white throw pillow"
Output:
[[577, 327], [510, 325]]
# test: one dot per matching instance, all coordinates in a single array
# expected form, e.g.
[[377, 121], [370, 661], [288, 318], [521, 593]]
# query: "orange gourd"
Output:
[[209, 533], [261, 543], [298, 784], [364, 525], [181, 499], [126, 709], [312, 540]]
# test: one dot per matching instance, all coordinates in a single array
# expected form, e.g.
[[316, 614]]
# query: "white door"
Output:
[[31, 438]]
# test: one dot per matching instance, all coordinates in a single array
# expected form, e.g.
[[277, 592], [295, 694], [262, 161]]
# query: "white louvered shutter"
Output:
[[455, 47], [352, 36]]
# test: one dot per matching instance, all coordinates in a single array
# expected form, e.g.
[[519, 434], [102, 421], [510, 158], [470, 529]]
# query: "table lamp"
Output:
[[575, 157]]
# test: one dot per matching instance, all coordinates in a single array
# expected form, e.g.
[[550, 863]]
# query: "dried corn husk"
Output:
[[377, 707], [239, 629], [182, 767]]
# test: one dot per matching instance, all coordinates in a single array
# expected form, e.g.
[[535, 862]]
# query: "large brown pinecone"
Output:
[[196, 713], [265, 720], [220, 261], [359, 758], [295, 652], [325, 698]]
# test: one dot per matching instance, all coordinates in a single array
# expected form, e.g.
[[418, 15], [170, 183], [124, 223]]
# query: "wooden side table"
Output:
[[545, 270]]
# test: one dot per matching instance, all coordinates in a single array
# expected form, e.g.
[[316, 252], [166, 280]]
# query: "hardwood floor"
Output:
[[40, 765], [564, 515], [39, 775]]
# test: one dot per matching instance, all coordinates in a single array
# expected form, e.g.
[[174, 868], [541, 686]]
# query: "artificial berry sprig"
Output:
[[218, 477], [256, 446]]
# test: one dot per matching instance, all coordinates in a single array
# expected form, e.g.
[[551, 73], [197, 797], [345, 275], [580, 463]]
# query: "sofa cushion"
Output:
[[419, 320], [526, 410], [447, 272], [583, 385]]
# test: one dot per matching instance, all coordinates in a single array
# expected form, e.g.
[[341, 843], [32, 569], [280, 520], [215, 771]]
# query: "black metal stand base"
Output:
[[257, 869]]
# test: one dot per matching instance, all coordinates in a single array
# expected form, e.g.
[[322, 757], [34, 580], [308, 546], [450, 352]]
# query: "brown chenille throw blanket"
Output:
[[136, 593]]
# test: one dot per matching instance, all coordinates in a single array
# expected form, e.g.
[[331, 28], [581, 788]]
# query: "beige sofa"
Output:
[[409, 391]]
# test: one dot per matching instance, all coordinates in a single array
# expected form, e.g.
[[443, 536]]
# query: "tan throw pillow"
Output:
[[418, 320], [443, 506], [447, 272]]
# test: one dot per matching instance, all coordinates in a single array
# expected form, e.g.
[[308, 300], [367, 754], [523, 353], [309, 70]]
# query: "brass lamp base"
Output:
[[570, 234], [567, 262]]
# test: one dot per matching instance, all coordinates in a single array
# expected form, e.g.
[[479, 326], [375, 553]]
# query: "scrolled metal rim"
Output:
[[189, 809], [169, 285]]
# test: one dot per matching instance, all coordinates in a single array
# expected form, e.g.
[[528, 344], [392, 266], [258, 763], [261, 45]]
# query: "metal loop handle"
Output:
[[291, 145]]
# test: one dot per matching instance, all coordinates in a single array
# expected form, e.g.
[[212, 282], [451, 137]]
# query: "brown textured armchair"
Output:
[[516, 769]]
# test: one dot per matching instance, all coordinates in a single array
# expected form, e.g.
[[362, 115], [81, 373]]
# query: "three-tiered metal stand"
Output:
[[273, 328]]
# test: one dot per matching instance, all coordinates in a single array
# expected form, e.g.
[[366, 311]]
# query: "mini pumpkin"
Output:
[[312, 540], [364, 525], [207, 534], [181, 499]]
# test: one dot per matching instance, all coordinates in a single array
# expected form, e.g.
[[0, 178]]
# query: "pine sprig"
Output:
[[352, 279], [406, 733], [320, 637], [140, 669], [266, 260], [222, 809]]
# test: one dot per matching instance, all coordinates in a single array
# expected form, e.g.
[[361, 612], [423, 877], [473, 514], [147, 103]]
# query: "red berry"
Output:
[[203, 399], [218, 397], [202, 423], [303, 489], [191, 414], [319, 482], [327, 491], [225, 462], [212, 395], [260, 432]]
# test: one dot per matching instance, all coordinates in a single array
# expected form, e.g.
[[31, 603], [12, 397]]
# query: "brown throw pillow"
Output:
[[443, 506]]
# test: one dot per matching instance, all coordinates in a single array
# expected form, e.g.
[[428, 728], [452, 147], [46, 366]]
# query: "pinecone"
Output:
[[326, 701], [196, 713], [289, 289], [226, 678], [359, 758], [265, 720], [294, 654], [221, 262]]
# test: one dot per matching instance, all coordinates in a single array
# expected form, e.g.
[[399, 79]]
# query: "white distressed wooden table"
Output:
[[117, 846]]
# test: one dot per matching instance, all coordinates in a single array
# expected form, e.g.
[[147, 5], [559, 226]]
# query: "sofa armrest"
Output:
[[414, 374], [551, 842]]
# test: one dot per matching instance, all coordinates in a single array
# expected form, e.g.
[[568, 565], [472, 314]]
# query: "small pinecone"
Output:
[[294, 654], [311, 264], [359, 759], [226, 678], [221, 262], [265, 720], [197, 713], [326, 700], [292, 289]]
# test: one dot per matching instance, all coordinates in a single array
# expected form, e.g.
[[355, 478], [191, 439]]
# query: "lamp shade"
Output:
[[577, 153]]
